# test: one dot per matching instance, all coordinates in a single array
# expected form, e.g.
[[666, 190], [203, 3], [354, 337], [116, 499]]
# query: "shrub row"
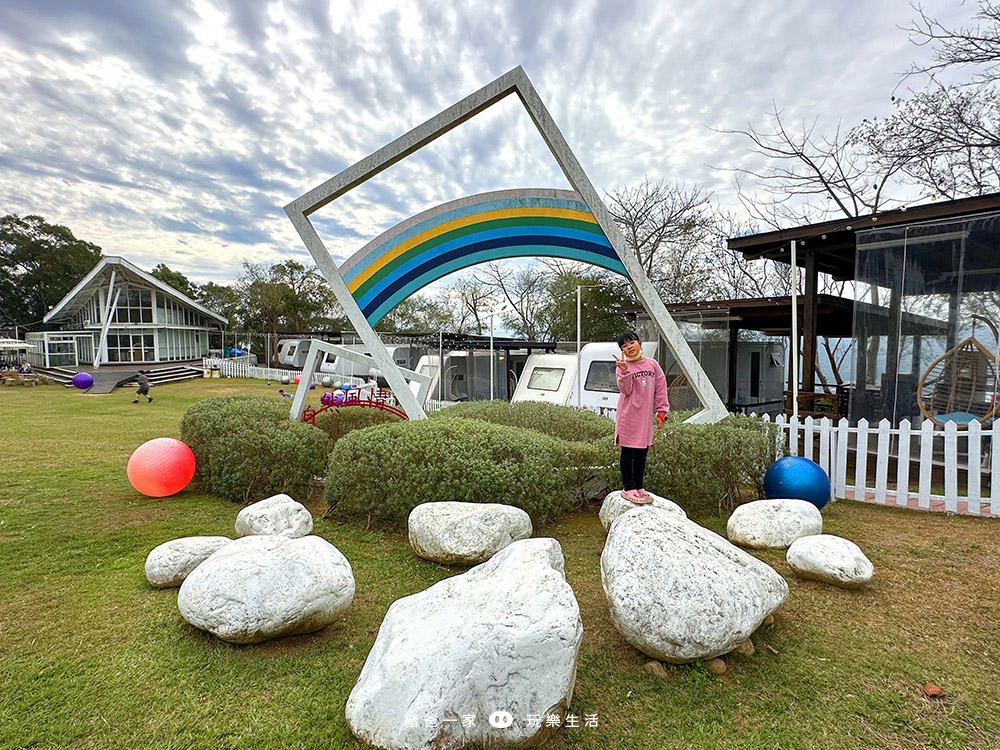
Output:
[[558, 421], [246, 448], [381, 473]]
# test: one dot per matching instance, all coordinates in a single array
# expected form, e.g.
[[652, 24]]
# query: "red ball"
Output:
[[161, 467], [297, 379]]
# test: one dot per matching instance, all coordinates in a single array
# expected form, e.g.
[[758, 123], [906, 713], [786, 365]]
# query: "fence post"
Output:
[[994, 472], [973, 479], [926, 451], [824, 445], [882, 462], [903, 464], [951, 466], [843, 433], [861, 461], [807, 437], [780, 438], [793, 436]]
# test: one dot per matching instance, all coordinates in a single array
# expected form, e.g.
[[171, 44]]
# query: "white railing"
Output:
[[927, 457]]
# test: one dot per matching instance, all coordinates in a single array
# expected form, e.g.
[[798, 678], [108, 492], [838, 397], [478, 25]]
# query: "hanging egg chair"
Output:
[[960, 386]]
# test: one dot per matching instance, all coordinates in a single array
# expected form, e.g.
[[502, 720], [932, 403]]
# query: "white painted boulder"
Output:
[[277, 515], [678, 592], [830, 559], [615, 504], [465, 533], [170, 563], [773, 523], [262, 587], [502, 636]]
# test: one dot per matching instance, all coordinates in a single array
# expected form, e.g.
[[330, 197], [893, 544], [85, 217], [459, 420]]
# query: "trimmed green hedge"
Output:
[[561, 422], [338, 422], [710, 469], [381, 473], [246, 447]]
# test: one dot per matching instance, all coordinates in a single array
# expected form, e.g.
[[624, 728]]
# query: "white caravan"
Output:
[[552, 378], [292, 352]]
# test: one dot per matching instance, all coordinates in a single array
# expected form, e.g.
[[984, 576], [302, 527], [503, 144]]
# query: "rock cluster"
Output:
[[273, 581]]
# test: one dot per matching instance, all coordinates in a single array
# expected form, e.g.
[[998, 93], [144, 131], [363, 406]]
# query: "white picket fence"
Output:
[[970, 453]]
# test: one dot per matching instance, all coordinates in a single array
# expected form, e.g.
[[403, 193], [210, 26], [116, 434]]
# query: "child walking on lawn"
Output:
[[643, 388]]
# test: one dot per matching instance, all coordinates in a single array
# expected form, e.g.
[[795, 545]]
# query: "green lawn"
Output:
[[91, 656]]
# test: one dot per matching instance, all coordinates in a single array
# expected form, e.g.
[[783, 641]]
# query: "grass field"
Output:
[[92, 656]]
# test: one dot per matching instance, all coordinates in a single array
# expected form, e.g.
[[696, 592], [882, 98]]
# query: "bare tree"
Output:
[[525, 292], [978, 46], [810, 176], [947, 136], [472, 299], [668, 227]]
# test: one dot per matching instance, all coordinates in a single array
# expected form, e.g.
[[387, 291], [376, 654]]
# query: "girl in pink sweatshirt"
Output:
[[643, 388]]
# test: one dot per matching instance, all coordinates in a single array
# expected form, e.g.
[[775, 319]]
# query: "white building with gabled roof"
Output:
[[119, 313]]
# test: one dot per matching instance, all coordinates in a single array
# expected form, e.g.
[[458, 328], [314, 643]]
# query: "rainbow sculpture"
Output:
[[472, 230]]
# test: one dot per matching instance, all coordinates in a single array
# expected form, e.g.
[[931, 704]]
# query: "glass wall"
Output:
[[176, 344], [925, 322], [135, 305], [131, 346]]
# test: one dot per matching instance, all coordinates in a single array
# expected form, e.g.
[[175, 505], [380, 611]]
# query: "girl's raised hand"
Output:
[[622, 364]]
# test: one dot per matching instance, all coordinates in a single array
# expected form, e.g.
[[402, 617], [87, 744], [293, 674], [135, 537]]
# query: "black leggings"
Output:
[[633, 466]]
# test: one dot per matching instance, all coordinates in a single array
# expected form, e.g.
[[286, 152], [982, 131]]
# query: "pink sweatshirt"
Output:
[[644, 389]]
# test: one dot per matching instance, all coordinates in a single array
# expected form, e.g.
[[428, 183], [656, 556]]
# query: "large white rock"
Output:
[[831, 559], [679, 592], [465, 533], [615, 504], [171, 562], [502, 636], [278, 514], [261, 587], [773, 523]]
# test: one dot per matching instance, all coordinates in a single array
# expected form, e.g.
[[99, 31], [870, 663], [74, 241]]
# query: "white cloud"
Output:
[[175, 132]]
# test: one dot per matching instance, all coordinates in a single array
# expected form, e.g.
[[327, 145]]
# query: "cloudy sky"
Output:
[[174, 132]]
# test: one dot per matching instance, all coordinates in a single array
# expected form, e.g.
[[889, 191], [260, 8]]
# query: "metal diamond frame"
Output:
[[513, 82]]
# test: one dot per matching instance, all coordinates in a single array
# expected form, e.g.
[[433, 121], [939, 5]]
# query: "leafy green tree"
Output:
[[39, 264], [175, 279], [601, 296], [221, 298]]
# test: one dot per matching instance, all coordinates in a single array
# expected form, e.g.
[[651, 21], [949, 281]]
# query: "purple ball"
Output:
[[326, 399], [339, 397], [83, 380]]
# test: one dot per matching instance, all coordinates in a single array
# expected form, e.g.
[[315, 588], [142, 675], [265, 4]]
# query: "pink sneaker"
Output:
[[643, 493]]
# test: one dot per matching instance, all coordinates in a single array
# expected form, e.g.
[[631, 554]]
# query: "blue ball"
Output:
[[797, 478]]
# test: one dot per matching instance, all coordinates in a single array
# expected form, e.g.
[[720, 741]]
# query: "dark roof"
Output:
[[773, 316], [833, 242]]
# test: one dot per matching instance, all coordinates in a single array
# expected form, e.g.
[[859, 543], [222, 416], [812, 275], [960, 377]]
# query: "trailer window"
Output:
[[601, 377], [546, 378], [290, 352]]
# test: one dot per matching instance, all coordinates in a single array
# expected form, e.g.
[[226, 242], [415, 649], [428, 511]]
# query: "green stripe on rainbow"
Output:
[[477, 229]]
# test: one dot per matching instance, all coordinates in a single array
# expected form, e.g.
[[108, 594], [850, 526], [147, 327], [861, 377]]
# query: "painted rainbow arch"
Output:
[[489, 226]]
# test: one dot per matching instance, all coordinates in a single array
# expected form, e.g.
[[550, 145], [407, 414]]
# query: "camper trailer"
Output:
[[466, 374], [405, 356], [552, 378], [293, 352]]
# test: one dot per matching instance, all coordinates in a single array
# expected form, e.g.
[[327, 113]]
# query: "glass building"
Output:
[[118, 314]]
